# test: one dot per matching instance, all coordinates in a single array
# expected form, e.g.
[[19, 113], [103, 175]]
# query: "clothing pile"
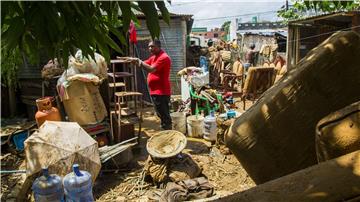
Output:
[[190, 189], [174, 169], [166, 165]]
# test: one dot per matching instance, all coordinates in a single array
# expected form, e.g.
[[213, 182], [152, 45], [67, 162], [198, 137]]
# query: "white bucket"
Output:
[[210, 128], [195, 126], [179, 121]]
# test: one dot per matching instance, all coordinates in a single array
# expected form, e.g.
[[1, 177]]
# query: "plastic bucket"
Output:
[[179, 121], [195, 126]]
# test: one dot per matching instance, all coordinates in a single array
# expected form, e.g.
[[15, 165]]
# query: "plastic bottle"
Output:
[[78, 186], [48, 188], [210, 127]]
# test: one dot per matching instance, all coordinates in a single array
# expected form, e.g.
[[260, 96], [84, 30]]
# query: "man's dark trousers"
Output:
[[162, 109]]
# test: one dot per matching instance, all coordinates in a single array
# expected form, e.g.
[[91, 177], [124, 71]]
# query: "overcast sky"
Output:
[[211, 13]]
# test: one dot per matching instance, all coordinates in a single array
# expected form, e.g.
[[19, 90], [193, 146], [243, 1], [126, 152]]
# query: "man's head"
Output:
[[155, 46], [210, 43], [252, 46]]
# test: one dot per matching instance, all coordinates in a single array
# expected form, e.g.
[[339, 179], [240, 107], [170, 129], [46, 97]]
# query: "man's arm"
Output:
[[147, 67], [138, 62]]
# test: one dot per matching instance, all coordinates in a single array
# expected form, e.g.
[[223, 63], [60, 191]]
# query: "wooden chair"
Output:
[[230, 78], [257, 81]]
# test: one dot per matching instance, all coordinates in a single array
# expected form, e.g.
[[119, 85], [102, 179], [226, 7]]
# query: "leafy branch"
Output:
[[301, 8], [60, 27]]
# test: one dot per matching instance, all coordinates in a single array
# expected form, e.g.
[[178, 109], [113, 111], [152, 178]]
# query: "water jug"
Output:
[[46, 111], [78, 186], [48, 188], [210, 128]]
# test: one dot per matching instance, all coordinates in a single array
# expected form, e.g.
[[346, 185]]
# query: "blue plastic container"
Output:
[[78, 186], [48, 188], [231, 114], [19, 139]]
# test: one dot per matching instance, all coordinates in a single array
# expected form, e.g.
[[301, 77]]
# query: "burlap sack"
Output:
[[85, 104]]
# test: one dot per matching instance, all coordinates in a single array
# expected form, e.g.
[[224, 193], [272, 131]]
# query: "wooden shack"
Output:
[[305, 34]]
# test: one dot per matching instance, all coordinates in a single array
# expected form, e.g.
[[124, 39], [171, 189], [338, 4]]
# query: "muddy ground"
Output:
[[127, 183], [221, 168]]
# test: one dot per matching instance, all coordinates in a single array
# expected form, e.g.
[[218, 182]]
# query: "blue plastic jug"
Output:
[[78, 186], [48, 188]]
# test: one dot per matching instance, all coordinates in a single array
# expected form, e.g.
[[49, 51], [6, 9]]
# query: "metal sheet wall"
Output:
[[173, 41]]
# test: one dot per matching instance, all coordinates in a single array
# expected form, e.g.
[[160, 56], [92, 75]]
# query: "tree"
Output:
[[226, 27], [60, 27], [300, 8]]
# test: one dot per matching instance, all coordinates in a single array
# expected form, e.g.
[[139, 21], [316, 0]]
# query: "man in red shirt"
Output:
[[158, 65]]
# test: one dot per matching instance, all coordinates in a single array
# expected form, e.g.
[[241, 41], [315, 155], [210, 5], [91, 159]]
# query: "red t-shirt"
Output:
[[159, 80]]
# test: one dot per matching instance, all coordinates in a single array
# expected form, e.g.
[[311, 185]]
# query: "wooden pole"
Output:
[[12, 100]]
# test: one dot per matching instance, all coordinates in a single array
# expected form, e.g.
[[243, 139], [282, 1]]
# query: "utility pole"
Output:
[[286, 4]]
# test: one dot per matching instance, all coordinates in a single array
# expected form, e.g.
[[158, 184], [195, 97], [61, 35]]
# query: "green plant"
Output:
[[226, 27], [300, 7], [10, 61], [60, 27]]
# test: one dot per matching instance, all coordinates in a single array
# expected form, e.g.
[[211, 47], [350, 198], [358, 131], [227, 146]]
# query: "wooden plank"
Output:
[[117, 84]]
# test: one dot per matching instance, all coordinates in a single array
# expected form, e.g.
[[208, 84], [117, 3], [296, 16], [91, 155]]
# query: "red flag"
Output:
[[132, 32]]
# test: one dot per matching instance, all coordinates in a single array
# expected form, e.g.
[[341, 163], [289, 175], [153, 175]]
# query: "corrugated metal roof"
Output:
[[325, 15], [141, 14]]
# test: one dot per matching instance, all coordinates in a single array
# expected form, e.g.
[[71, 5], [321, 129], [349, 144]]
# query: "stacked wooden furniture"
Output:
[[257, 81], [126, 103]]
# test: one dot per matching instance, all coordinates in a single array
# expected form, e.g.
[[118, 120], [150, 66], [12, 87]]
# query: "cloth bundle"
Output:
[[180, 167], [190, 189]]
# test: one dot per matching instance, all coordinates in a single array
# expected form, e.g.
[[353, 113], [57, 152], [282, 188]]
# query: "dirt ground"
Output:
[[127, 183], [10, 161], [221, 168]]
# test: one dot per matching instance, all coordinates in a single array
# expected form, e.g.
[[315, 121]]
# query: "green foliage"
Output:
[[10, 61], [60, 27], [300, 7], [226, 27]]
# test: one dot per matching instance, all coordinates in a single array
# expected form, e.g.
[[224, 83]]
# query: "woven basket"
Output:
[[166, 144]]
